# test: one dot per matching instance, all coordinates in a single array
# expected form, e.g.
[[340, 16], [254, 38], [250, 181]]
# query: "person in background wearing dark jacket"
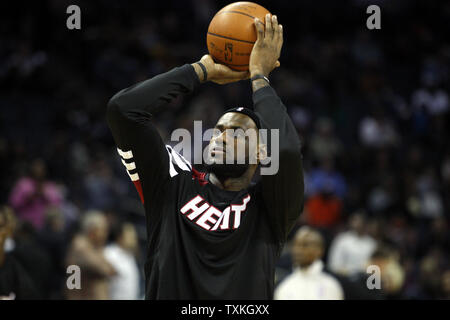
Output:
[[15, 283]]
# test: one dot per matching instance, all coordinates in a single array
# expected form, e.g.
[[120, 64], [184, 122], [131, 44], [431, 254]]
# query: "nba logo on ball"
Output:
[[228, 52], [232, 34]]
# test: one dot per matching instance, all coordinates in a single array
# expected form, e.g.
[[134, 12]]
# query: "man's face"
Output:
[[306, 248], [357, 223], [230, 149], [99, 233]]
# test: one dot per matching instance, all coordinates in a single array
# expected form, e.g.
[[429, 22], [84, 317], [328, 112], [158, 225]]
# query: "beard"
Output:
[[224, 171]]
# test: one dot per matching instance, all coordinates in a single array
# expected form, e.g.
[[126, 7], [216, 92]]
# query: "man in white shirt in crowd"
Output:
[[308, 281], [350, 251], [121, 254]]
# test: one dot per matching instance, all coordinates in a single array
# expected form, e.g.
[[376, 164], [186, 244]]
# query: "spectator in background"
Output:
[[430, 275], [323, 210], [378, 131], [364, 285], [32, 256], [391, 272], [87, 252], [102, 187], [22, 244], [431, 205], [326, 177], [445, 285], [308, 281], [121, 255], [351, 250], [326, 189], [431, 96], [382, 197], [324, 143], [15, 282], [31, 196]]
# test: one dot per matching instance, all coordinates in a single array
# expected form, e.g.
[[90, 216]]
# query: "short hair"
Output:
[[91, 219], [314, 232], [248, 112]]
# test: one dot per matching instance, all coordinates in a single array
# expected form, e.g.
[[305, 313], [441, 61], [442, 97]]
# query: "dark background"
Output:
[[371, 108]]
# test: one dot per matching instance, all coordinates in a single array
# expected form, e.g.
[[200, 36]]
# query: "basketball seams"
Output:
[[229, 64], [234, 11], [229, 38]]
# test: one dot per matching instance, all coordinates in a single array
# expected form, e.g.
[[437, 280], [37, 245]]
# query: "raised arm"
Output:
[[282, 192], [139, 145]]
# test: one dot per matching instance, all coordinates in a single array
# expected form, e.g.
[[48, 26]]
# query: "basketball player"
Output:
[[212, 235]]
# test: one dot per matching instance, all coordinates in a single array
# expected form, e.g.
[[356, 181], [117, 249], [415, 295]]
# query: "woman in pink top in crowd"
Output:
[[33, 195]]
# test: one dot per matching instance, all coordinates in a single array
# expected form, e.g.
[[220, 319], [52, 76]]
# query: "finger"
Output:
[[259, 29], [280, 36], [277, 64], [275, 27], [269, 30]]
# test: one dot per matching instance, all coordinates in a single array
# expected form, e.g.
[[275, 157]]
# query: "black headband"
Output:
[[247, 112]]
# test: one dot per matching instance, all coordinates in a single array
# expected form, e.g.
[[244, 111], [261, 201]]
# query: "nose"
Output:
[[220, 138]]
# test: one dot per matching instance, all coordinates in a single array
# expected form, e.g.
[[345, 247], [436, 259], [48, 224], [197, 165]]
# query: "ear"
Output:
[[262, 152]]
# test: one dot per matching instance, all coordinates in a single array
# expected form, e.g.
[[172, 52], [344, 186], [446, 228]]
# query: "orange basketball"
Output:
[[231, 33]]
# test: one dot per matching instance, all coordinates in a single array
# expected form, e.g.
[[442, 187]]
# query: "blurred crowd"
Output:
[[371, 108]]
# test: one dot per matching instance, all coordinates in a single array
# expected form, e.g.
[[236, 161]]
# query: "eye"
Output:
[[216, 132]]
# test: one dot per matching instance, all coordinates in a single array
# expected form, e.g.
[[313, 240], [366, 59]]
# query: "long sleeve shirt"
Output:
[[205, 242]]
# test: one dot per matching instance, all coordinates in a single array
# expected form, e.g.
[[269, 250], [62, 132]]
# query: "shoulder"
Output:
[[330, 279], [285, 287], [24, 183], [345, 237], [333, 284], [111, 249]]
